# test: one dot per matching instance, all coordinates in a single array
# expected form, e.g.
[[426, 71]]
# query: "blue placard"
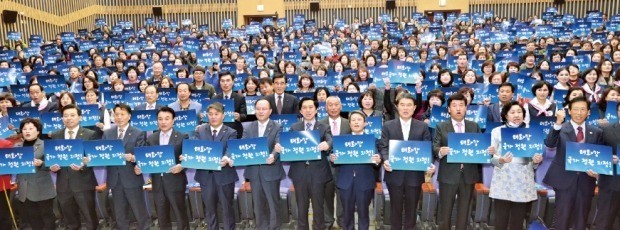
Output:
[[251, 151], [478, 114], [354, 149], [5, 132], [522, 142], [374, 125], [229, 108], [145, 120], [410, 155], [250, 104], [611, 114], [438, 114], [300, 146], [52, 83], [202, 154], [63, 152], [404, 72], [17, 114], [105, 152], [19, 160], [155, 159], [285, 120], [112, 98], [51, 122], [191, 44], [349, 101], [185, 121], [206, 58], [14, 36], [90, 115], [469, 148], [582, 157], [166, 96]]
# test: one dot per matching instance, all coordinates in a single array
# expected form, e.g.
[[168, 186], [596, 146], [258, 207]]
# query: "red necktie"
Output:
[[579, 134]]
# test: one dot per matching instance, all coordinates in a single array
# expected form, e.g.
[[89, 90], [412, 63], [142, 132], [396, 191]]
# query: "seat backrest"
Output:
[[100, 174], [434, 178], [240, 171]]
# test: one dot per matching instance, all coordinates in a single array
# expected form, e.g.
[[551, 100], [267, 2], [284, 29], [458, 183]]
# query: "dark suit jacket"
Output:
[[363, 174], [36, 186], [51, 107], [450, 173], [557, 176], [611, 137], [495, 113], [132, 138], [290, 104], [240, 108], [173, 182], [318, 170], [143, 106], [69, 180], [344, 125], [228, 174], [271, 172], [392, 130]]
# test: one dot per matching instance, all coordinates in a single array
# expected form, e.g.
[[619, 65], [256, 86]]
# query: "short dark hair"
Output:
[[224, 73], [507, 107], [9, 97], [166, 109], [317, 90], [301, 102], [199, 69], [540, 84], [182, 83], [507, 84], [123, 106], [279, 75], [36, 122], [404, 95], [70, 106], [368, 93], [217, 106], [456, 97], [359, 112], [578, 99], [35, 84], [436, 93]]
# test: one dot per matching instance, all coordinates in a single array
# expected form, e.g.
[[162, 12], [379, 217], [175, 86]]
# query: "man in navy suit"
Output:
[[150, 94], [356, 182], [38, 99], [265, 179], [218, 187], [309, 177], [573, 190], [506, 93], [281, 102], [127, 192], [404, 186], [169, 188], [609, 186], [227, 80]]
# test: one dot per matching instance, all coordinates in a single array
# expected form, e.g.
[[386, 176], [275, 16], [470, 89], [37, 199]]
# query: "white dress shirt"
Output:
[[405, 126], [262, 127], [75, 132]]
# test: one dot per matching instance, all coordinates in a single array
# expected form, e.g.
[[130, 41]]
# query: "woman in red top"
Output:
[[5, 188]]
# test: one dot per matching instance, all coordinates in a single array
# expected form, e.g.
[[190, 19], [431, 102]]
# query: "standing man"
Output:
[[169, 188], [227, 81], [265, 179], [150, 94], [218, 187], [282, 103], [338, 126], [127, 192], [310, 177], [404, 186], [455, 180], [75, 186], [609, 186], [573, 190], [506, 93]]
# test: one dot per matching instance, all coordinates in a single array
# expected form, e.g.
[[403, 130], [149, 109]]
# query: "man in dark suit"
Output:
[[573, 190], [282, 103], [609, 186], [218, 187], [169, 188], [506, 92], [150, 94], [265, 179], [75, 185], [455, 180], [38, 99], [127, 192], [338, 126], [309, 177], [226, 84], [404, 186], [356, 182]]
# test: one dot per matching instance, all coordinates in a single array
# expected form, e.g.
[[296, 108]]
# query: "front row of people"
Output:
[[512, 185]]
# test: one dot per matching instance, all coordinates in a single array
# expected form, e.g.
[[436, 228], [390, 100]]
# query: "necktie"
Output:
[[37, 105], [214, 134], [308, 127], [71, 136], [165, 138], [149, 107], [226, 97], [579, 134], [459, 127], [121, 133], [335, 129], [279, 104]]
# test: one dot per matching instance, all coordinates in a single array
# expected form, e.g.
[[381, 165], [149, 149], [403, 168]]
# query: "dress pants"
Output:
[[39, 214], [509, 215], [266, 198], [572, 205], [126, 199], [403, 197], [447, 195], [74, 205], [214, 195], [166, 200], [306, 190], [355, 199], [607, 208]]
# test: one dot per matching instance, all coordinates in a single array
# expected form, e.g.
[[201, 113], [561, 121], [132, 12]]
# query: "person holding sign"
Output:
[[36, 191], [266, 178], [226, 85], [169, 188], [38, 99], [127, 192], [281, 102], [218, 187], [184, 103], [573, 190], [454, 179], [609, 186], [356, 182], [150, 94], [76, 185], [310, 177], [512, 185], [404, 186]]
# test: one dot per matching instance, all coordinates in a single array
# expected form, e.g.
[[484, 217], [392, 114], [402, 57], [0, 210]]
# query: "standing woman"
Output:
[[540, 105], [36, 191], [593, 90], [512, 185]]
